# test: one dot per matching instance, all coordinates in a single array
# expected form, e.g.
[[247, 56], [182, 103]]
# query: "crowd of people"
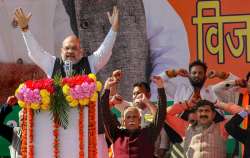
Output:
[[195, 126]]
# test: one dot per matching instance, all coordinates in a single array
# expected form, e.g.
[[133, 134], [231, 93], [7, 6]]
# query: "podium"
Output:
[[59, 117], [68, 138]]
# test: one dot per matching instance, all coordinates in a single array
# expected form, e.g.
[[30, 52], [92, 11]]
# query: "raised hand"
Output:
[[221, 75], [116, 99], [141, 98], [241, 83], [114, 19], [22, 19], [12, 100], [182, 72], [194, 99], [211, 74], [158, 81], [110, 82], [117, 75]]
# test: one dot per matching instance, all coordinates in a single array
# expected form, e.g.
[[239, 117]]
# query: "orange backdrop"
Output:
[[233, 14]]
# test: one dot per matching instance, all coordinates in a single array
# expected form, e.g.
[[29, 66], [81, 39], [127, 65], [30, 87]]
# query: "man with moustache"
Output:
[[133, 140], [71, 49], [142, 38], [140, 99], [235, 91], [81, 63], [204, 137], [191, 89]]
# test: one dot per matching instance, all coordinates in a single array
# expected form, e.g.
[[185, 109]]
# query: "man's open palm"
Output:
[[21, 18], [114, 19]]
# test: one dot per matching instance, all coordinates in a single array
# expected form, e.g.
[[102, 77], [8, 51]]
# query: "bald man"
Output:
[[132, 140], [71, 49], [51, 65], [50, 14], [145, 47]]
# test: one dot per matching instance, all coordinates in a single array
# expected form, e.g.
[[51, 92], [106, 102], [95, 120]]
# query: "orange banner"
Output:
[[218, 33]]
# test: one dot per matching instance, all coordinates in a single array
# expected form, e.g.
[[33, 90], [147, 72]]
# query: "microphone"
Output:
[[68, 67]]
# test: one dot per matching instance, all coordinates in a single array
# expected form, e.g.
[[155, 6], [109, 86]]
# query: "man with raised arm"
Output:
[[193, 82], [11, 134], [133, 141], [75, 56], [240, 134], [204, 137], [71, 49], [140, 98]]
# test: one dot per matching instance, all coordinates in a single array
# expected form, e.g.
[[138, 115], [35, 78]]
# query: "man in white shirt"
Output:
[[72, 51], [71, 46], [50, 24], [193, 84]]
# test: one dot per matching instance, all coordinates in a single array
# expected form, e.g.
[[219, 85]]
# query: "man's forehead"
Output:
[[139, 89], [131, 111], [197, 67], [71, 39], [204, 107]]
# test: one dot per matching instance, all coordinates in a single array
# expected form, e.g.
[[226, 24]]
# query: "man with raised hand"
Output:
[[11, 134], [70, 50], [75, 57], [193, 82], [240, 134], [204, 137], [133, 141]]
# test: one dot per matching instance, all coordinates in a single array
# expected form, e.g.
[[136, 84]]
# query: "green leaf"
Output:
[[59, 106]]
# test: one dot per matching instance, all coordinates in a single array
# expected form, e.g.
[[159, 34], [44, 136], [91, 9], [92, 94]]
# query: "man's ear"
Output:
[[148, 95], [214, 114], [205, 77], [82, 50], [61, 50], [140, 120]]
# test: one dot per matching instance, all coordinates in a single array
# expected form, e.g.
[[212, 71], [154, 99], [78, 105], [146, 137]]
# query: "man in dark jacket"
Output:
[[132, 140], [242, 135], [12, 134]]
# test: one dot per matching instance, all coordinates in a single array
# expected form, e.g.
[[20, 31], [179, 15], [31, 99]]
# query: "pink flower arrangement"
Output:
[[35, 94], [81, 89]]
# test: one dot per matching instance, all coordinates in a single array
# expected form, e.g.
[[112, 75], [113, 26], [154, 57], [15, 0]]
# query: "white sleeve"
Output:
[[224, 89], [102, 55], [170, 87], [231, 77], [39, 56]]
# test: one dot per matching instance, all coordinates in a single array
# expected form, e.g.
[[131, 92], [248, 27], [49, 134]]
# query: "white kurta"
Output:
[[49, 23], [183, 91]]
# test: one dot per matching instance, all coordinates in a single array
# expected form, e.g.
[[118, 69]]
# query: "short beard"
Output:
[[197, 83]]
